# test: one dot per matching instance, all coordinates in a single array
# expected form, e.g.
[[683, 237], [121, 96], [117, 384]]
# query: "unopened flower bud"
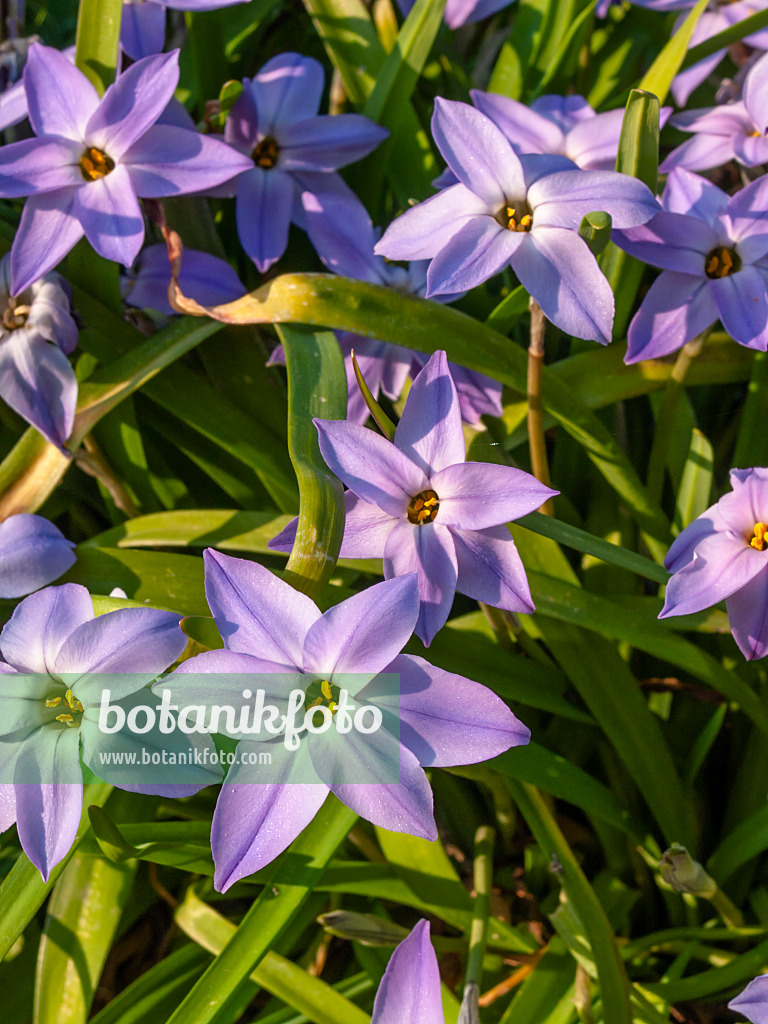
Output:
[[685, 874]]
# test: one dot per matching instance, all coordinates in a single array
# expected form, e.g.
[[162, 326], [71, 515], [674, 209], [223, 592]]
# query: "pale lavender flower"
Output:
[[724, 555], [270, 630], [421, 507], [727, 132], [55, 658], [294, 150], [37, 333], [33, 553], [713, 250], [207, 279], [142, 29], [753, 1001], [462, 12], [93, 157], [518, 211], [410, 989]]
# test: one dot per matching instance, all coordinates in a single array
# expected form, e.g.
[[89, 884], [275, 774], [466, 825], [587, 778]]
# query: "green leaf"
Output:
[[317, 386], [658, 78], [748, 840], [349, 36], [225, 529], [693, 495], [638, 153], [294, 877], [98, 34], [722, 40], [80, 924], [156, 992], [595, 229]]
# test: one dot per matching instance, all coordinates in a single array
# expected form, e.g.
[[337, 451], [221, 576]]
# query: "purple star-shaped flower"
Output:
[[272, 630], [730, 131], [713, 249], [33, 552], [142, 29], [517, 211], [410, 988], [55, 657], [724, 555], [275, 122], [37, 333], [344, 237], [93, 158], [418, 505], [753, 1001]]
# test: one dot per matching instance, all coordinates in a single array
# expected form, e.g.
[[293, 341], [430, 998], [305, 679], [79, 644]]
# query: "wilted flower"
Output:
[[37, 333], [55, 655], [142, 29], [418, 505], [724, 555], [439, 718], [713, 249], [294, 151], [33, 552], [208, 279], [753, 1001], [726, 132], [93, 157], [517, 211]]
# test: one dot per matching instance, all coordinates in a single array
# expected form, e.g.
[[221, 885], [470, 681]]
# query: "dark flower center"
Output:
[[758, 541], [14, 316], [69, 701], [95, 164], [423, 508], [265, 153], [721, 262], [516, 216]]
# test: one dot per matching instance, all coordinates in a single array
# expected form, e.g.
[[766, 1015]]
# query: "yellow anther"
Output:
[[315, 703], [526, 221], [721, 262], [758, 540], [333, 705], [423, 508], [325, 689], [712, 266], [727, 262], [52, 702], [94, 164], [66, 719]]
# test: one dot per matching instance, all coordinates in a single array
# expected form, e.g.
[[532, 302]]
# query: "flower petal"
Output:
[[424, 230], [722, 564], [260, 811], [671, 241], [410, 988], [32, 638], [328, 143], [478, 250], [47, 811], [475, 495], [255, 611], [429, 432], [753, 1001], [264, 203], [748, 616], [562, 199], [111, 216], [47, 231], [142, 28], [37, 381], [525, 128], [60, 97], [445, 719], [675, 309], [683, 547], [742, 302], [287, 89], [34, 166], [755, 93], [689, 193], [699, 153], [366, 529], [365, 632], [170, 161], [133, 103], [32, 552], [477, 152], [557, 269], [594, 142], [429, 551], [490, 569], [208, 279], [370, 466]]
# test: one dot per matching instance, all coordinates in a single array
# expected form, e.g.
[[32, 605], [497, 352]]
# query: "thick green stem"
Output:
[[96, 44], [536, 441]]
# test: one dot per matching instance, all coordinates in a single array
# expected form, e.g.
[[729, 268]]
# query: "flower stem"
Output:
[[666, 418], [536, 442]]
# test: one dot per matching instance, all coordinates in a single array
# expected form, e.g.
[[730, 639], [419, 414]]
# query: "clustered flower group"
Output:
[[517, 185]]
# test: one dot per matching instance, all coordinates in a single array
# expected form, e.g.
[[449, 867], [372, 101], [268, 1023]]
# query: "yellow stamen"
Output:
[[95, 164], [721, 262], [265, 153], [66, 719], [712, 266], [423, 508], [325, 689], [52, 702], [758, 540]]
